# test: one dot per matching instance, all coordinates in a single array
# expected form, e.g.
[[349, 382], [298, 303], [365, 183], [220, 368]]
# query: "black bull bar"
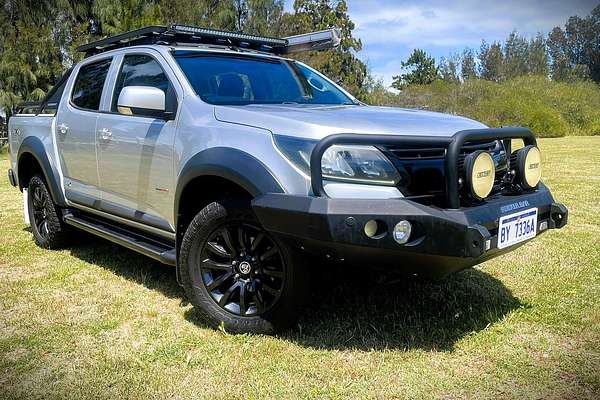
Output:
[[453, 145]]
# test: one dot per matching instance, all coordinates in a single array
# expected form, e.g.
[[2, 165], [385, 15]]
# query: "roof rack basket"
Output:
[[194, 36]]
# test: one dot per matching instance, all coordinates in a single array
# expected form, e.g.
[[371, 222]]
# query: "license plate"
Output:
[[517, 227]]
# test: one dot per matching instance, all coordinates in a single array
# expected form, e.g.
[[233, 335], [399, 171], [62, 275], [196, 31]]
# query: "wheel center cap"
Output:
[[245, 267]]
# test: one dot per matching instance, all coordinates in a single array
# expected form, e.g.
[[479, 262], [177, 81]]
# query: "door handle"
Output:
[[63, 129], [105, 134]]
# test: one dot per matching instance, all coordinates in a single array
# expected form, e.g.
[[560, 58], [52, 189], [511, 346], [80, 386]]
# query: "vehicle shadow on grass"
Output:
[[351, 309], [375, 311], [127, 264]]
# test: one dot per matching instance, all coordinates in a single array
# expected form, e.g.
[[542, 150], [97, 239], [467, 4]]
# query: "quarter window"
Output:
[[87, 90], [141, 70]]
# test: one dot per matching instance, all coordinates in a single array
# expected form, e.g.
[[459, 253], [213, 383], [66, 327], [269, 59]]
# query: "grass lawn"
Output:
[[98, 321]]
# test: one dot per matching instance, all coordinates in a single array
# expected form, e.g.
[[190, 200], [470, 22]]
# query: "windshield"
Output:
[[241, 79]]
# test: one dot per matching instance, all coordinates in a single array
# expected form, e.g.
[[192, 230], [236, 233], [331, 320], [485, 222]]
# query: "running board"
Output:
[[135, 241]]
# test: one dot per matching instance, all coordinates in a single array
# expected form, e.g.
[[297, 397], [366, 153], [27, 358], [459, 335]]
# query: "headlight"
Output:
[[528, 166], [480, 173], [347, 163], [297, 151], [360, 164]]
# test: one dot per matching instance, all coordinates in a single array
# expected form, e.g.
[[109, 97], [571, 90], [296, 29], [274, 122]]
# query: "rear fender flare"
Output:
[[34, 146]]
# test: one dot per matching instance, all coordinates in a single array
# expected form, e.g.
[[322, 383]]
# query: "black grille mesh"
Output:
[[422, 168]]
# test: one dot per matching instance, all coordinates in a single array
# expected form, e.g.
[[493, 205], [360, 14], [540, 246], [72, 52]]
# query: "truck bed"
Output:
[[24, 126]]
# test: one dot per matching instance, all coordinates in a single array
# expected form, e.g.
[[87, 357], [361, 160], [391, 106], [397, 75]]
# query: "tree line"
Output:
[[567, 53], [38, 41], [38, 38]]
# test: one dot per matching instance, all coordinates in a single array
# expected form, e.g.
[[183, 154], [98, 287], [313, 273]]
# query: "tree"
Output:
[[491, 61], [468, 67], [575, 50], [31, 57], [537, 56], [516, 51], [422, 70], [557, 46], [448, 69], [264, 17], [377, 92], [217, 14], [119, 16], [593, 44], [340, 64]]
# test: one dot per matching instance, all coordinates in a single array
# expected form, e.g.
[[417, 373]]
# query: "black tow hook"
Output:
[[559, 214]]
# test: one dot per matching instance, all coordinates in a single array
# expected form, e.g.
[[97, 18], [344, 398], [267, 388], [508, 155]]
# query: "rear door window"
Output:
[[87, 90]]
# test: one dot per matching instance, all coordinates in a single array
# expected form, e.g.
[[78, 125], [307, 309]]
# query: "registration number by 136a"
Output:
[[517, 227]]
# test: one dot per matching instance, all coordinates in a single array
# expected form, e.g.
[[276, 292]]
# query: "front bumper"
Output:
[[443, 240]]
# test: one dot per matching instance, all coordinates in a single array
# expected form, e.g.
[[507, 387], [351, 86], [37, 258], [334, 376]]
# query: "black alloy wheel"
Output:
[[39, 201], [48, 229], [243, 269], [238, 276]]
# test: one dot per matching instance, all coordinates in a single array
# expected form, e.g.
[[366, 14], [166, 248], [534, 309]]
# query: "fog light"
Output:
[[402, 232], [375, 229], [371, 228]]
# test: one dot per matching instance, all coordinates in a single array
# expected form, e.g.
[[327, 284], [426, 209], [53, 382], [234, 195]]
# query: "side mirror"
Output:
[[142, 100]]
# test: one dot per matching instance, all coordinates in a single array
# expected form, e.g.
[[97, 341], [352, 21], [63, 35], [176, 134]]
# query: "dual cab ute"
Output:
[[214, 152]]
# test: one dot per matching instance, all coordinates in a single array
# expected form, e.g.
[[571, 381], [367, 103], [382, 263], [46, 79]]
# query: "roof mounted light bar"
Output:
[[224, 35], [192, 35], [315, 41]]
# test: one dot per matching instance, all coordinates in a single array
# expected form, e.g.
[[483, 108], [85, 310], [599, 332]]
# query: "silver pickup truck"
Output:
[[214, 152]]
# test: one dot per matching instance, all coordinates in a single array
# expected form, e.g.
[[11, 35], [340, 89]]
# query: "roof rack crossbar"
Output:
[[193, 35]]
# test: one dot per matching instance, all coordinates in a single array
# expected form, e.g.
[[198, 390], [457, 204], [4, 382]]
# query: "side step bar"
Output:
[[156, 249]]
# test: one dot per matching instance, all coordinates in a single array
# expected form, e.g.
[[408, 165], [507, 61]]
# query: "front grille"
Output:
[[422, 169], [412, 154]]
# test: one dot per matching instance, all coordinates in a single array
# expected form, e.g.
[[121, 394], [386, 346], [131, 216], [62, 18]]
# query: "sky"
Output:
[[390, 29]]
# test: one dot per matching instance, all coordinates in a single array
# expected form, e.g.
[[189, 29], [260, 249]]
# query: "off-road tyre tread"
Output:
[[284, 312], [58, 232]]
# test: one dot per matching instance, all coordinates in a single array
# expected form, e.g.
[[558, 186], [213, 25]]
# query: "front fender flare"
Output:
[[234, 165]]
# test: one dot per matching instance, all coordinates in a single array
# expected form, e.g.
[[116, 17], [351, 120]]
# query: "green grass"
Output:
[[98, 321]]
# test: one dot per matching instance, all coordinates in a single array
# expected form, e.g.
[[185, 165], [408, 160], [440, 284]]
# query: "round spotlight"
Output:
[[529, 166], [371, 228], [375, 229], [480, 174], [402, 232]]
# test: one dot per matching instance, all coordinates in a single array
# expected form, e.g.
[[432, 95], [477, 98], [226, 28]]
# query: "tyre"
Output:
[[48, 230], [236, 274]]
